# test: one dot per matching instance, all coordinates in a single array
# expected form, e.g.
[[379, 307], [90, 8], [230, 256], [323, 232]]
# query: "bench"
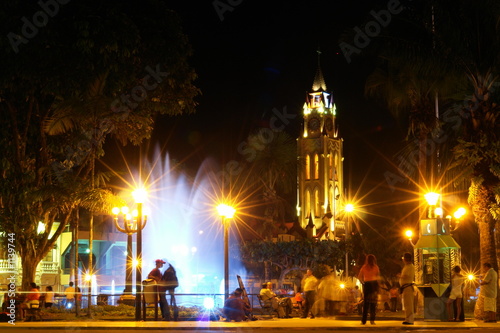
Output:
[[266, 308], [32, 312]]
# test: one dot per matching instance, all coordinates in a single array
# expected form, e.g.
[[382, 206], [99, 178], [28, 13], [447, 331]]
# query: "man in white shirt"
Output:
[[309, 285], [489, 292], [406, 284]]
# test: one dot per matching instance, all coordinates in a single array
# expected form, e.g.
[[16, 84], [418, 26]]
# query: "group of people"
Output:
[[369, 276], [33, 299], [167, 282]]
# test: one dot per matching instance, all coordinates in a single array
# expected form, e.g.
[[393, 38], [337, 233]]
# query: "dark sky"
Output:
[[261, 56]]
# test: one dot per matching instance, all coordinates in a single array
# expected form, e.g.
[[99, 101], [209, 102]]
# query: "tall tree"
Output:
[[273, 163], [465, 39], [90, 70]]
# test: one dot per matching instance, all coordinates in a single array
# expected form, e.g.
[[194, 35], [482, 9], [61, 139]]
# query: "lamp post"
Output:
[[139, 197], [133, 223], [129, 229], [349, 208], [226, 212]]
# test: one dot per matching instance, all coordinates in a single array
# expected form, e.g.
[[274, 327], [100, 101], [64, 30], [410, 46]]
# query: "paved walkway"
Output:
[[295, 323]]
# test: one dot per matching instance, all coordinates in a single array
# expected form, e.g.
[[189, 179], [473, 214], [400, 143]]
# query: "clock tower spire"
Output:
[[320, 155]]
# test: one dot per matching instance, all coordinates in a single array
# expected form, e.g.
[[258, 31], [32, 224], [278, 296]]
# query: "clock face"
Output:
[[329, 124], [313, 124]]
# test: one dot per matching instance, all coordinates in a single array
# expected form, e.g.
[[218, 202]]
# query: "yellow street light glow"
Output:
[[115, 210], [438, 211], [139, 195], [459, 213], [431, 198], [125, 210], [135, 262], [226, 211], [342, 286], [88, 277], [349, 208], [471, 277], [409, 233]]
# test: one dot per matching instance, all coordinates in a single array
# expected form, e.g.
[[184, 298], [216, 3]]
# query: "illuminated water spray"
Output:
[[184, 230]]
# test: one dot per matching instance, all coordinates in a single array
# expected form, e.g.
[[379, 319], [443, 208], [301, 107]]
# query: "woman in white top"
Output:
[[457, 280]]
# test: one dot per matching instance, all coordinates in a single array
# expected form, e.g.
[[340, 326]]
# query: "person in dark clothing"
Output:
[[170, 282], [235, 308], [156, 275]]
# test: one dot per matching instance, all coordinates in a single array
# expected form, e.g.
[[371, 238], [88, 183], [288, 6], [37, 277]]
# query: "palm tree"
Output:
[[465, 40]]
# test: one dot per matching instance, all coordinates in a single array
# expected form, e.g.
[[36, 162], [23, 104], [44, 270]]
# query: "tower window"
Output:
[[308, 167], [317, 204], [316, 166]]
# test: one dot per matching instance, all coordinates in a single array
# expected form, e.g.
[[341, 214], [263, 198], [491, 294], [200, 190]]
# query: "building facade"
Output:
[[320, 164]]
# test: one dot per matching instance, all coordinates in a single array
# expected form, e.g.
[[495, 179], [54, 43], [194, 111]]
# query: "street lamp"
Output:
[[456, 218], [226, 212], [432, 199], [133, 223], [409, 235]]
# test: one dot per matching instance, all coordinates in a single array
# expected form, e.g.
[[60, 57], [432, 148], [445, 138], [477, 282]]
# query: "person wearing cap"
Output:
[[156, 275]]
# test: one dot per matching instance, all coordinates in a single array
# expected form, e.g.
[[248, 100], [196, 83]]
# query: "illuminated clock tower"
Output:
[[320, 157]]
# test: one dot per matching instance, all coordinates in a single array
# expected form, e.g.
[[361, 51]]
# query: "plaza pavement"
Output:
[[384, 323]]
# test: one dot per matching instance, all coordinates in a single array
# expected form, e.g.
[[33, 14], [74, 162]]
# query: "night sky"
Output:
[[263, 55]]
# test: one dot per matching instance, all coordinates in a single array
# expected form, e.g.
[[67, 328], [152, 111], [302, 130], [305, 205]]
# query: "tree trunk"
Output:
[[267, 274], [29, 264], [486, 225]]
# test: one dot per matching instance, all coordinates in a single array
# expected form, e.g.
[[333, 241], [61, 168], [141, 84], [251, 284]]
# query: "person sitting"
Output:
[[49, 297], [299, 300], [235, 308], [282, 306], [32, 301], [33, 297], [70, 296]]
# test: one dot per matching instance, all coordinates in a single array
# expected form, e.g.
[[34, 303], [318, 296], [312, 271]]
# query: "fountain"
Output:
[[184, 230]]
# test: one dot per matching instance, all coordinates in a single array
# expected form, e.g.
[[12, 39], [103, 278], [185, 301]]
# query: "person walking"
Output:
[[309, 284], [369, 276], [170, 280], [489, 292], [406, 289], [326, 291], [457, 280]]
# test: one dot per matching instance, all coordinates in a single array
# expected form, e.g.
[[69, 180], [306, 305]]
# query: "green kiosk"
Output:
[[435, 253]]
